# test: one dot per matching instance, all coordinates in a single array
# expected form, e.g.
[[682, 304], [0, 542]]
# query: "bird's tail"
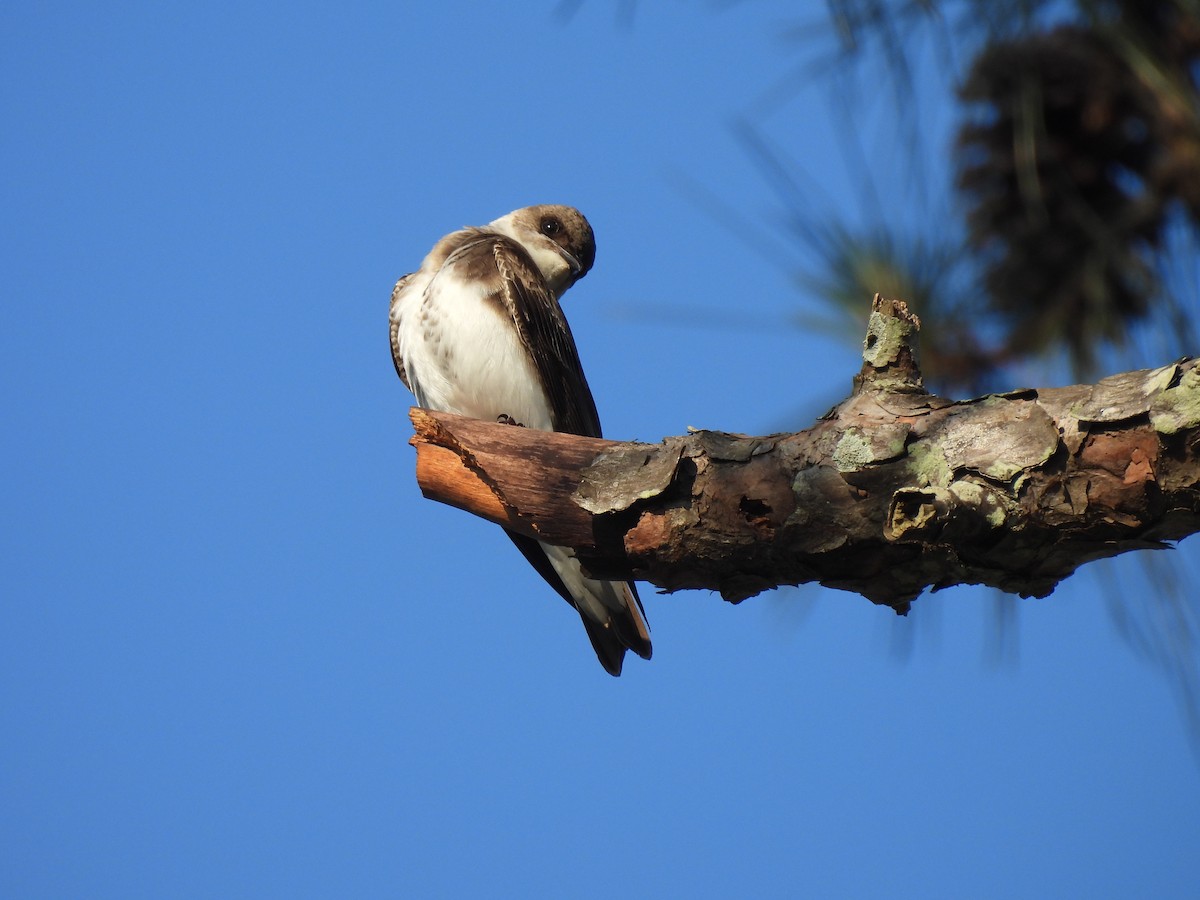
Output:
[[611, 611], [622, 629]]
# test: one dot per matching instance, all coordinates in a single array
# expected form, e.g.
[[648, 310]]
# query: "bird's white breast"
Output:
[[463, 354]]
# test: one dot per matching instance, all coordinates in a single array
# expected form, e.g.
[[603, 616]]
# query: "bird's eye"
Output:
[[551, 226]]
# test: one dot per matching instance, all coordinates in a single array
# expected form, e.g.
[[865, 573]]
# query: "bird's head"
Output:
[[558, 238]]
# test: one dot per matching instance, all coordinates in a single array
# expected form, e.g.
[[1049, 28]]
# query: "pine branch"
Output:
[[891, 492]]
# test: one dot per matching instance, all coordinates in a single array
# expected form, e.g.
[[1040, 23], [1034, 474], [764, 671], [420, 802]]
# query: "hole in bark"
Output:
[[756, 512], [872, 339]]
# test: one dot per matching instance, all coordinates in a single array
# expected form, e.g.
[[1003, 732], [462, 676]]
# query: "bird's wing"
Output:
[[400, 295], [543, 328]]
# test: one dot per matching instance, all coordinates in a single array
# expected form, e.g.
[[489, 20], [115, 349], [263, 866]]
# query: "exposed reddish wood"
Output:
[[446, 478], [513, 476]]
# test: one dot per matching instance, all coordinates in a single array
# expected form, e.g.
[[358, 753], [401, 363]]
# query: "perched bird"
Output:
[[477, 330]]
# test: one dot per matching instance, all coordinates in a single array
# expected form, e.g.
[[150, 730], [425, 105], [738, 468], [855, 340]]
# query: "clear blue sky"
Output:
[[241, 657]]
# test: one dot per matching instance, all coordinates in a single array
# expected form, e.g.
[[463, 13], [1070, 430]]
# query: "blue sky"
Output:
[[240, 656]]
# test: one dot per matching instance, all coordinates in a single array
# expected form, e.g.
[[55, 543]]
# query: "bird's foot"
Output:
[[506, 419]]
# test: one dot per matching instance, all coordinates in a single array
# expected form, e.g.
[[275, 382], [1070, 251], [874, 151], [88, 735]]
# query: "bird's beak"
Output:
[[571, 261]]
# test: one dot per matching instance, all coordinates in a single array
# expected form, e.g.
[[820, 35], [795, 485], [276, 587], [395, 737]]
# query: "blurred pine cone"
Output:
[[1089, 137]]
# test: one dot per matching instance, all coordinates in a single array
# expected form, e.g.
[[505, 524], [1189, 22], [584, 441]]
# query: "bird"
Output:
[[477, 330]]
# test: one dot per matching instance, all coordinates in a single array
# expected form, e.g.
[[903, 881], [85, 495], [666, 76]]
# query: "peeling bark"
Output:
[[891, 492]]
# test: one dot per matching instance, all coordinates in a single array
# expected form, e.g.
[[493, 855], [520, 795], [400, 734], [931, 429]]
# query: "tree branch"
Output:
[[891, 492]]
